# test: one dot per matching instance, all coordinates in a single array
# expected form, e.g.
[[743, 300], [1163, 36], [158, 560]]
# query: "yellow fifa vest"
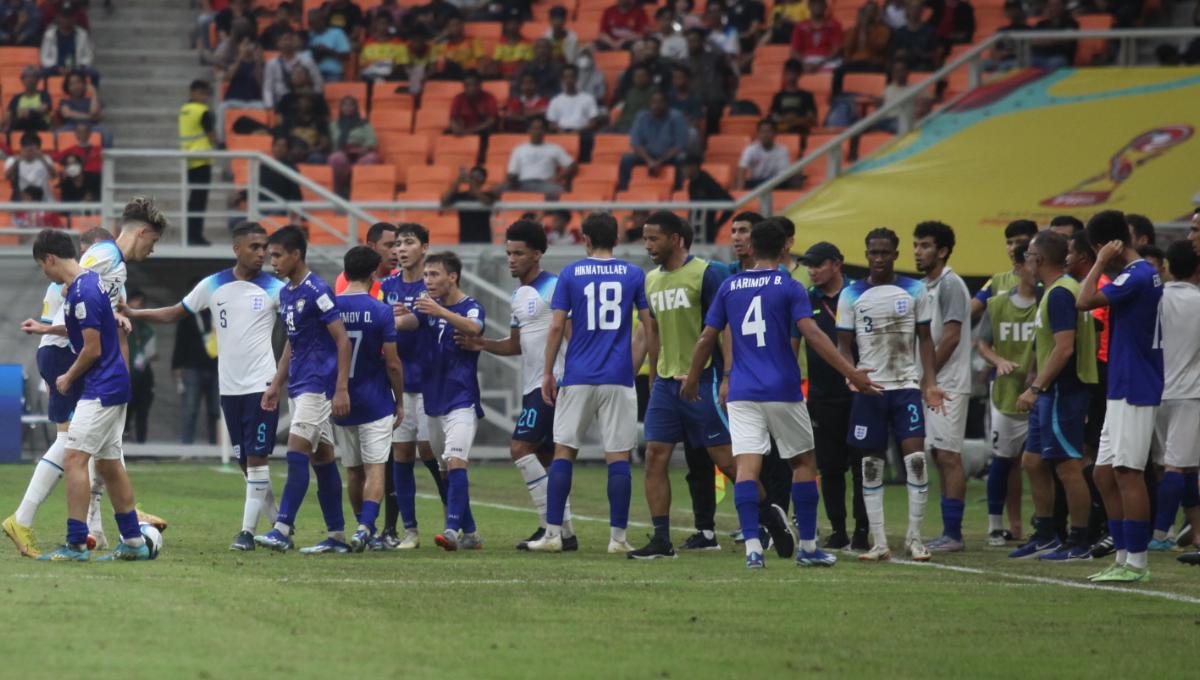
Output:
[[191, 132]]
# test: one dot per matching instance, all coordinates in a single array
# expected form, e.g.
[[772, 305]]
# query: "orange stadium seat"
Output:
[[391, 94], [1090, 49], [640, 179], [327, 228], [745, 126], [392, 118], [321, 174], [456, 151], [609, 147], [432, 117], [500, 146], [568, 142], [725, 148], [373, 182], [335, 91], [260, 143]]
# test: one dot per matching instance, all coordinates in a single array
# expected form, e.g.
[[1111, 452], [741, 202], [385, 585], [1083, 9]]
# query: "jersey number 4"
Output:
[[603, 311], [753, 323]]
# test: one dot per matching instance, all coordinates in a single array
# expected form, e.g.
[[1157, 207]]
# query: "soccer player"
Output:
[[411, 436], [887, 316], [1135, 388], [765, 399], [316, 366], [381, 237], [1178, 421], [739, 238], [950, 302], [376, 391], [244, 301], [450, 387], [599, 293], [1018, 232], [532, 444], [99, 420], [1057, 401], [1006, 334]]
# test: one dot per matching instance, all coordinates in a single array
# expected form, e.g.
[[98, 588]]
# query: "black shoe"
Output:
[[655, 549], [570, 544], [838, 540], [1103, 548], [764, 537], [1190, 558], [698, 541], [537, 536], [243, 542], [783, 536], [859, 542]]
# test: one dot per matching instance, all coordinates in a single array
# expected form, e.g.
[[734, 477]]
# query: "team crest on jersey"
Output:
[[531, 308], [80, 311], [257, 303], [1120, 280], [860, 432], [393, 298], [300, 305], [902, 306]]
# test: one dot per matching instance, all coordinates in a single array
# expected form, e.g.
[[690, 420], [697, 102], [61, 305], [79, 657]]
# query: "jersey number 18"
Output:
[[608, 311]]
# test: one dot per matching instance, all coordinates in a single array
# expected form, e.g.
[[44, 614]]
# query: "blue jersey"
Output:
[[369, 325], [307, 309], [764, 306], [599, 296], [1135, 357], [408, 343], [451, 381], [88, 306]]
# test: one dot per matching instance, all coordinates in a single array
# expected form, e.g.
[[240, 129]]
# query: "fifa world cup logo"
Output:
[[1139, 151]]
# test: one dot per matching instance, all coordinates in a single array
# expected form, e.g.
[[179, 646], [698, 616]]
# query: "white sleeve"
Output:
[[564, 159], [514, 161], [200, 297], [747, 157], [845, 313], [552, 111]]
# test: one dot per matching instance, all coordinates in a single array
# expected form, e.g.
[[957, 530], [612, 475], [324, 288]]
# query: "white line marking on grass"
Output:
[[530, 511]]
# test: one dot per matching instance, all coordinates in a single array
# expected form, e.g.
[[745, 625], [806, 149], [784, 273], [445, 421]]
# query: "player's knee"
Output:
[[872, 469], [915, 465]]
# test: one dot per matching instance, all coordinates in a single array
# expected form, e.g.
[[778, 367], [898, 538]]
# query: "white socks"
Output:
[[873, 498], [46, 473], [753, 545], [995, 523], [1136, 560], [617, 534], [95, 519], [535, 478], [258, 493], [918, 492]]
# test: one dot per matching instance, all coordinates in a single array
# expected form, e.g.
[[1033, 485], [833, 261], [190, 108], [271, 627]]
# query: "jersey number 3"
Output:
[[603, 313]]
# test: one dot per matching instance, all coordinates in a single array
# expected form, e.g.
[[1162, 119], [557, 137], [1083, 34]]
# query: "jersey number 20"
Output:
[[608, 311]]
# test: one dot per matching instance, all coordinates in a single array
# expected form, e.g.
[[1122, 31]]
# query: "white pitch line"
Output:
[[529, 511]]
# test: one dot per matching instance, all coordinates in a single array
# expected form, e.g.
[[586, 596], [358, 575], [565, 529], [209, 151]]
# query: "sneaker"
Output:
[[570, 543], [128, 553], [22, 536], [153, 520], [1036, 546], [858, 542], [551, 544], [1068, 552], [329, 545], [376, 545], [877, 553], [655, 549], [1105, 571], [764, 537], [275, 540], [1160, 546], [916, 549], [448, 540], [470, 541], [391, 541], [1124, 574], [1103, 548], [783, 534], [66, 553], [411, 541], [737, 537], [698, 541], [946, 544], [1186, 536], [360, 540], [838, 540], [1191, 558], [616, 547], [816, 558], [243, 542], [999, 538], [755, 560], [535, 536]]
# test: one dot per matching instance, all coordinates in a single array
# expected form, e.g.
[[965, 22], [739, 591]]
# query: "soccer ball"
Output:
[[154, 539]]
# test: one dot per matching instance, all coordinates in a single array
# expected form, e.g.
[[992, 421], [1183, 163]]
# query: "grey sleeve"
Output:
[[954, 302]]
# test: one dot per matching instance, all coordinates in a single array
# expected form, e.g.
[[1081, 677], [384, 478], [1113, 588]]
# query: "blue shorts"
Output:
[[669, 419], [870, 418], [52, 362], [536, 423], [251, 429], [1056, 424]]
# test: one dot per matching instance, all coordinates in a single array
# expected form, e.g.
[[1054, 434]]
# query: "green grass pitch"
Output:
[[200, 611]]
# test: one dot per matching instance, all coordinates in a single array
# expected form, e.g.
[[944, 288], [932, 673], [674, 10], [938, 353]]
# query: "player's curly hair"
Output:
[[142, 209]]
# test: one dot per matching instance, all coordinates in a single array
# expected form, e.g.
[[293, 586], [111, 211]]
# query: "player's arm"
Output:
[[823, 346], [160, 315], [700, 354], [845, 345], [395, 371], [510, 346], [35, 327], [405, 319], [639, 346], [341, 390], [1089, 296], [1003, 366], [977, 308], [460, 323], [951, 333], [934, 396], [270, 398], [87, 356], [554, 338], [653, 347]]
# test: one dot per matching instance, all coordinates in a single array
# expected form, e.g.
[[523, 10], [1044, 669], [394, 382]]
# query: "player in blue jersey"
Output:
[[411, 436], [99, 420], [316, 366], [244, 302], [451, 387], [599, 293], [1135, 388], [761, 306], [376, 391]]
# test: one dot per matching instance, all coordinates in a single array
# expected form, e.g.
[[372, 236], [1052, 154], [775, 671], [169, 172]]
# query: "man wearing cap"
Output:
[[829, 403]]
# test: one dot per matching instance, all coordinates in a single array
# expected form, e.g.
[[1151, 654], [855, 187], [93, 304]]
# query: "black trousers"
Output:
[[199, 179], [830, 422], [137, 415]]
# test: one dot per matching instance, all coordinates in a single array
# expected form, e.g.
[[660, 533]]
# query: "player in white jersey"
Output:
[[950, 304], [244, 302], [532, 445]]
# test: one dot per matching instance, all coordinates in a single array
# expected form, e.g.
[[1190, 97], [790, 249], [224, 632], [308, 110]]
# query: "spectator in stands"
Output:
[[418, 60], [432, 16], [722, 36], [353, 142], [510, 53], [275, 186], [658, 140], [30, 168], [329, 46], [1004, 54], [229, 49], [953, 22], [302, 86], [35, 217], [279, 73], [523, 105], [563, 41], [895, 13], [793, 109], [345, 15], [66, 47], [474, 226], [817, 42], [559, 231], [307, 129], [545, 70], [591, 78], [646, 55], [621, 24], [19, 23], [574, 111], [749, 18], [701, 186], [392, 10], [194, 367], [79, 107], [784, 17], [29, 111], [915, 43], [538, 165], [1052, 54], [716, 79], [474, 111], [636, 99], [457, 52], [672, 44], [497, 10], [763, 159], [866, 45], [897, 86], [685, 15], [224, 20], [143, 350], [87, 157], [76, 8], [73, 185], [383, 53], [684, 100], [284, 22]]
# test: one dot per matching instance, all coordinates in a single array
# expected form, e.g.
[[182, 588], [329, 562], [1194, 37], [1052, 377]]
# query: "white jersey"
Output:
[[1181, 340], [531, 313], [244, 318], [949, 300], [52, 314], [106, 259], [884, 320]]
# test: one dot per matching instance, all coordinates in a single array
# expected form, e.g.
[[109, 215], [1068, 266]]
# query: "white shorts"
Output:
[[1177, 426], [453, 433], [97, 430], [578, 405], [753, 423], [1127, 435], [312, 418], [369, 443], [1008, 433], [415, 426], [945, 432]]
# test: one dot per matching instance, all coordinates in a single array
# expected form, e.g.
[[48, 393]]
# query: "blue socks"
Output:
[[620, 489], [294, 489], [952, 515], [329, 495], [997, 484], [1170, 492], [662, 528], [1137, 535], [745, 499], [127, 524], [805, 498], [468, 523], [370, 512], [77, 532], [558, 487], [405, 484], [456, 499]]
